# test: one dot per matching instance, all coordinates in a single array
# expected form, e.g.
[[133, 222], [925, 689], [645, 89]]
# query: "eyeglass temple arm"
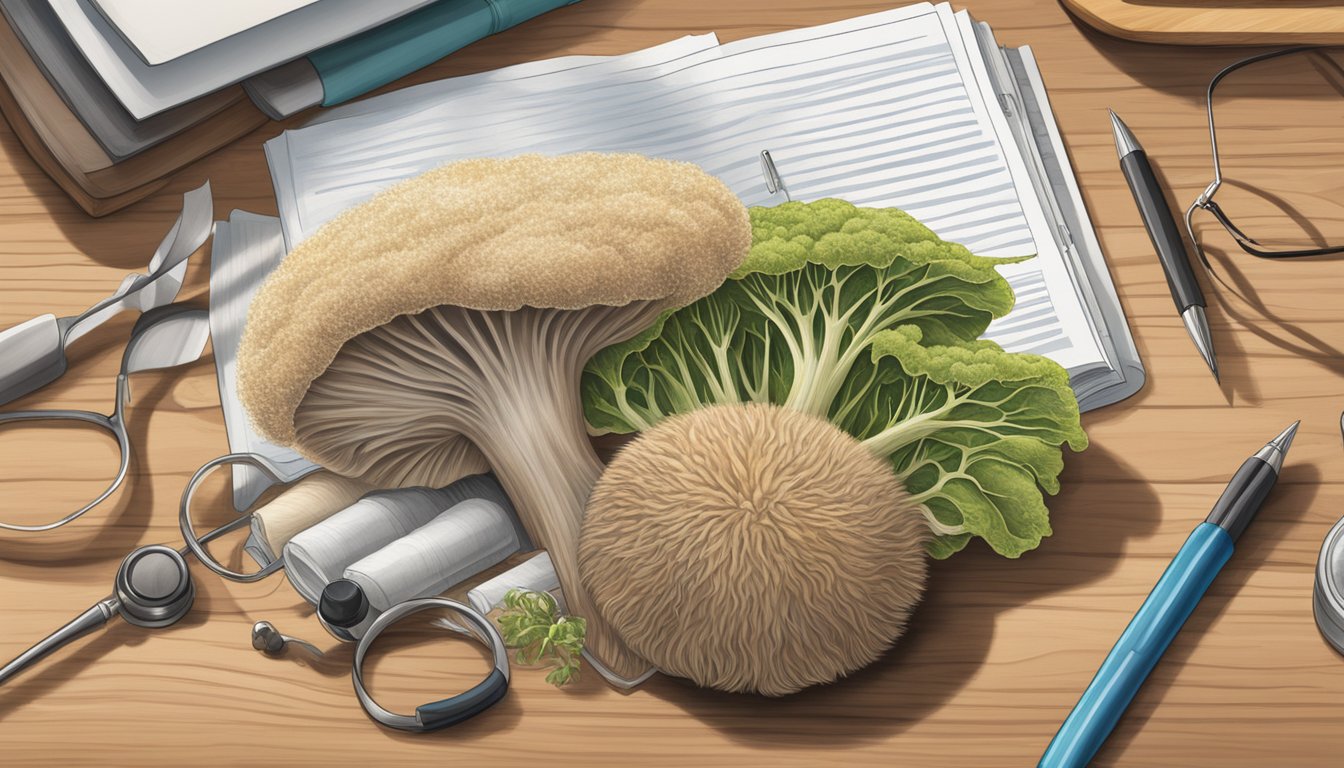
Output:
[[1205, 199], [1247, 243], [1208, 101]]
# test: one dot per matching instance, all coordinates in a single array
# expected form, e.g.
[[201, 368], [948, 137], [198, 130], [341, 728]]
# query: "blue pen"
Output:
[[1166, 609]]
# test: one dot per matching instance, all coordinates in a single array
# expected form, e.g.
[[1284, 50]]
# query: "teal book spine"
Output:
[[356, 66]]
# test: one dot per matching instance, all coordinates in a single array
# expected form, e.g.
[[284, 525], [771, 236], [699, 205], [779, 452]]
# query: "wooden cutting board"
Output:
[[1216, 22]]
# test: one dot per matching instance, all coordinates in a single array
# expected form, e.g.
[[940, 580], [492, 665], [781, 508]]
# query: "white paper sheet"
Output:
[[147, 90], [244, 251], [407, 108], [891, 109], [161, 30]]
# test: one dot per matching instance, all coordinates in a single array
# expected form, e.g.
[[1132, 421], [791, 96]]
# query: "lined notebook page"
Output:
[[380, 141], [891, 109]]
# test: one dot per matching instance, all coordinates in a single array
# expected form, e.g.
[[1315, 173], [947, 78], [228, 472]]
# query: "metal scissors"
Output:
[[32, 354], [162, 338]]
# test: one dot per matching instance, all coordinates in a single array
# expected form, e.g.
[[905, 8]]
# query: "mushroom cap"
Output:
[[562, 232], [752, 548]]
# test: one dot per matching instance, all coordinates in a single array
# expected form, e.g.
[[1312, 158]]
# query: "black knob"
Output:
[[343, 604]]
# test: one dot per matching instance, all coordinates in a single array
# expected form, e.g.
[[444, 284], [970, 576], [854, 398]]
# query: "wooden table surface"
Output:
[[999, 649]]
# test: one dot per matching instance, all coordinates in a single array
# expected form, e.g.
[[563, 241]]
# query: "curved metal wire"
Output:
[[196, 543], [1205, 199], [114, 424]]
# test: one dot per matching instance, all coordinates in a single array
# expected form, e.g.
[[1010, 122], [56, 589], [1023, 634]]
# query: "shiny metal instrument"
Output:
[[163, 337], [152, 589], [267, 639], [184, 519], [454, 709], [32, 354]]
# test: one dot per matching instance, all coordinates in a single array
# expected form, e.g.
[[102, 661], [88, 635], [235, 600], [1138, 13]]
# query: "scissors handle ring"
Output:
[[113, 424], [196, 543]]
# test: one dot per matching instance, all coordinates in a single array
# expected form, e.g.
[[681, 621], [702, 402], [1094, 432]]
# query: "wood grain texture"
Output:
[[1216, 22], [999, 649]]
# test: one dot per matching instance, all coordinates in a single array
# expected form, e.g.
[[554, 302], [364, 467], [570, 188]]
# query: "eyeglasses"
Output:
[[162, 338], [1327, 80]]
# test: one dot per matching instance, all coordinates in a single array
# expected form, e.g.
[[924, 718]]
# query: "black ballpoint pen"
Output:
[[1166, 237]]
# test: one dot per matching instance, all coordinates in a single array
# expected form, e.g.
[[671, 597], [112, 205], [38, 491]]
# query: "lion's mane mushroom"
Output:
[[753, 548], [454, 312]]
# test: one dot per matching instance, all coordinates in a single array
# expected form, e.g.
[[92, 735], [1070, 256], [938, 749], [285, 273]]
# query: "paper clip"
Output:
[[773, 182]]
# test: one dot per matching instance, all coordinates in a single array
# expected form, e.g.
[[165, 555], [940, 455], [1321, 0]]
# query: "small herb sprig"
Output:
[[531, 622]]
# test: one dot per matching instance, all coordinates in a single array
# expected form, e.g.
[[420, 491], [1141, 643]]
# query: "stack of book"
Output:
[[111, 97]]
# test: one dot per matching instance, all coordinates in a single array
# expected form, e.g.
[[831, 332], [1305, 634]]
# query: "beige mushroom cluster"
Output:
[[440, 329]]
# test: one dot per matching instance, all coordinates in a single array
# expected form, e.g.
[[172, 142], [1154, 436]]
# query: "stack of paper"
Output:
[[163, 30], [111, 96], [916, 108]]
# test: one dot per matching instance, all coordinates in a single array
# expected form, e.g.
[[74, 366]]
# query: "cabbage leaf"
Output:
[[866, 318], [974, 431]]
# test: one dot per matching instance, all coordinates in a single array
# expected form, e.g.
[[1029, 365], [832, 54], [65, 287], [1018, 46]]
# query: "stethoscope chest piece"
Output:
[[154, 587]]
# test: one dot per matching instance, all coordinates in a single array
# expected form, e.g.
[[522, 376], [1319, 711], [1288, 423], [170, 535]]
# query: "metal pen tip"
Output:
[[1197, 325], [1275, 450], [1125, 143], [1285, 437]]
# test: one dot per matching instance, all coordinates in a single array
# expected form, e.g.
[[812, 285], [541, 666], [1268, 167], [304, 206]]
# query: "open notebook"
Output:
[[917, 108]]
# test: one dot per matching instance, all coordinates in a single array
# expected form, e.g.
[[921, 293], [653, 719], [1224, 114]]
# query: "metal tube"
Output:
[[87, 621]]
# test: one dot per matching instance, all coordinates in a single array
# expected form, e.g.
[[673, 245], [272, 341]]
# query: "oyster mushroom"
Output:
[[443, 325]]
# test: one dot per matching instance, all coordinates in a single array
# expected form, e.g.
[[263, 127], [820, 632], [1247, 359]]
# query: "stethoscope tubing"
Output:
[[428, 717], [195, 544]]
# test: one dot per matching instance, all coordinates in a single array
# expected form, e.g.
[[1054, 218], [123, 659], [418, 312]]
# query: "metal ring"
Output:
[[112, 424], [445, 712], [195, 543]]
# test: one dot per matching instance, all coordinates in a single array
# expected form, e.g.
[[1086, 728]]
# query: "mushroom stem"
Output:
[[549, 473], [508, 382], [529, 425]]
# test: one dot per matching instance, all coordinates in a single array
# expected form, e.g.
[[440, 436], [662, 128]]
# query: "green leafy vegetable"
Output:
[[531, 622], [971, 429], [866, 318]]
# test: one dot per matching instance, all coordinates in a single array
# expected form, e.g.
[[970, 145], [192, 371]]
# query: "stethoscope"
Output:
[[153, 589]]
